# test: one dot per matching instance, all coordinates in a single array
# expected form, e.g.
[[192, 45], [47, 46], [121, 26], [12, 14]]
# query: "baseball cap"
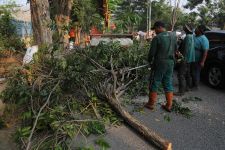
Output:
[[158, 24], [189, 27], [203, 28]]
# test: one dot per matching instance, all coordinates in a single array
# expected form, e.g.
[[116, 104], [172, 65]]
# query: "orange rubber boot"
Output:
[[151, 101], [169, 101]]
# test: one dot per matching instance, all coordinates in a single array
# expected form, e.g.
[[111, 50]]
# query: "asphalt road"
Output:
[[205, 130]]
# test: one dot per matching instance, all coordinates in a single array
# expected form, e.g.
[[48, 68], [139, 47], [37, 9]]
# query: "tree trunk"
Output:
[[112, 88], [146, 132], [174, 14], [112, 95], [40, 17], [62, 17], [77, 35]]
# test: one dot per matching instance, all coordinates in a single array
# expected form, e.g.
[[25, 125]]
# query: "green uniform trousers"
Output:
[[163, 74]]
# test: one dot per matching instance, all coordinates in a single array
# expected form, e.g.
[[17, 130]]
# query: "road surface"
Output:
[[204, 131]]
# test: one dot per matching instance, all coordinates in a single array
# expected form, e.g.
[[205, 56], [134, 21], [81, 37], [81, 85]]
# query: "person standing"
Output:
[[201, 51], [161, 59], [187, 50]]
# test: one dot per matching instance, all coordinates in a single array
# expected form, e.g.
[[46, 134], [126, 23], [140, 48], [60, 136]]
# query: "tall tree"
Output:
[[211, 13], [113, 4], [184, 18], [40, 17], [61, 12], [129, 15], [9, 38], [220, 14], [86, 13], [206, 14], [161, 10], [42, 11], [191, 4], [174, 14]]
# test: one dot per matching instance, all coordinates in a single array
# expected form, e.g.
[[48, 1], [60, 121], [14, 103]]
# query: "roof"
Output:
[[216, 31]]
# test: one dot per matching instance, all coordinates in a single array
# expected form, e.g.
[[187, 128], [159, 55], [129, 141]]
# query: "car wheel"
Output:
[[216, 76]]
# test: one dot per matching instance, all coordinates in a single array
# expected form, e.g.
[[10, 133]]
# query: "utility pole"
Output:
[[147, 20], [106, 13], [149, 15]]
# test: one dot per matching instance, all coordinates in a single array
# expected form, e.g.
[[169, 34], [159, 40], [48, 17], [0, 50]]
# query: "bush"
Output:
[[8, 36]]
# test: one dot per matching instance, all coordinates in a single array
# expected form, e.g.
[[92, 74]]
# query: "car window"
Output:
[[216, 39]]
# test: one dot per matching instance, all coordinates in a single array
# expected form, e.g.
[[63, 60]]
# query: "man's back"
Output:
[[201, 45], [188, 48], [161, 59], [163, 46]]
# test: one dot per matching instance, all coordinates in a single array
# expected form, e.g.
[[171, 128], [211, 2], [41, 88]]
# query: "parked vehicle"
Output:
[[214, 70], [216, 38]]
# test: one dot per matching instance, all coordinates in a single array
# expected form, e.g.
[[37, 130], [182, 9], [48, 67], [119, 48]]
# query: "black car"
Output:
[[216, 38], [214, 70]]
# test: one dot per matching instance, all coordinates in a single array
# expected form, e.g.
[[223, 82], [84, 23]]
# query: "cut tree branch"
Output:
[[39, 113], [114, 75], [146, 132]]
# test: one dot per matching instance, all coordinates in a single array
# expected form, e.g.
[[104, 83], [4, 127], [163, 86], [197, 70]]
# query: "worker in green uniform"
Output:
[[161, 59], [187, 50]]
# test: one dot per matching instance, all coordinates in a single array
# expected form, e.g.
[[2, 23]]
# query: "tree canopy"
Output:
[[131, 15], [9, 38], [210, 12]]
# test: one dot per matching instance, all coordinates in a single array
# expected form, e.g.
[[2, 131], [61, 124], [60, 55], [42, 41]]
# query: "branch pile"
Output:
[[66, 95]]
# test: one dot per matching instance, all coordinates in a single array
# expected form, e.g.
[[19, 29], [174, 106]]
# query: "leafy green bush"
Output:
[[8, 35]]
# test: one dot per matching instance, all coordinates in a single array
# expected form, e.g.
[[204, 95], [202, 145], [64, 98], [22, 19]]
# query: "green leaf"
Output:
[[86, 148], [102, 143], [167, 118], [27, 115], [96, 127]]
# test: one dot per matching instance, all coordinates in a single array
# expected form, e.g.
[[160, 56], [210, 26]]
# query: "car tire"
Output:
[[215, 76]]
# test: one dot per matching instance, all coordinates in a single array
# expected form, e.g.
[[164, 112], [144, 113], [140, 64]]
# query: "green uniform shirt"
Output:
[[201, 46], [163, 47], [161, 54], [188, 48]]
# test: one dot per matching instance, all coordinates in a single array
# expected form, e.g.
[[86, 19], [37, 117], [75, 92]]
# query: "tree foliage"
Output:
[[132, 15], [113, 4], [85, 13], [128, 15], [210, 12], [8, 33], [161, 11], [193, 3], [220, 13]]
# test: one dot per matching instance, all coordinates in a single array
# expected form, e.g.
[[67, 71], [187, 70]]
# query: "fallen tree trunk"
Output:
[[113, 88], [146, 132]]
